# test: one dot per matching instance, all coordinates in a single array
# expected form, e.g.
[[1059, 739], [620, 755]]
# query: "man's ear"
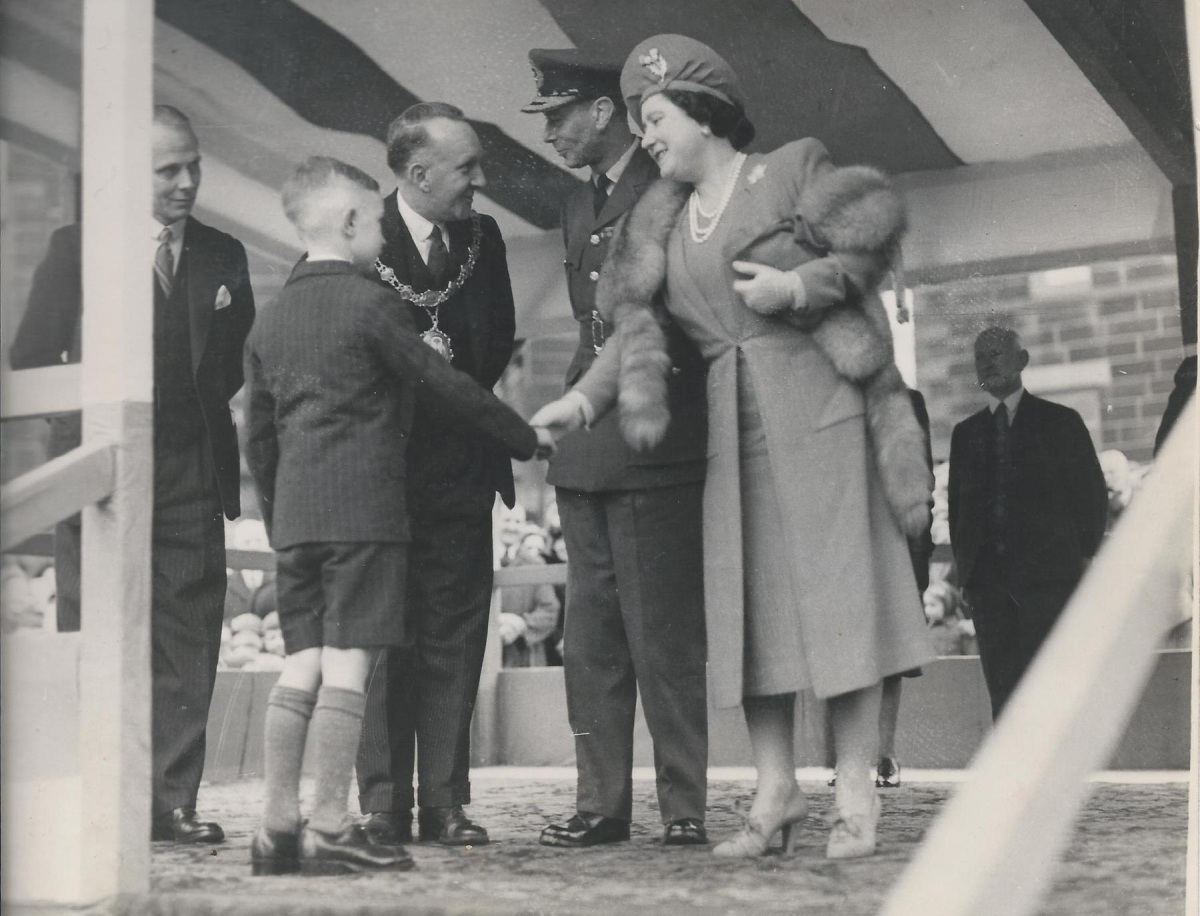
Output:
[[416, 174], [350, 223], [602, 111], [1024, 359]]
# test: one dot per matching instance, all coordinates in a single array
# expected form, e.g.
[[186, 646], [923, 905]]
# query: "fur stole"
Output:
[[852, 212]]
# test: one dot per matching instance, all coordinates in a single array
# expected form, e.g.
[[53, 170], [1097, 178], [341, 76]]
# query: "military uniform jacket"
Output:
[[599, 459]]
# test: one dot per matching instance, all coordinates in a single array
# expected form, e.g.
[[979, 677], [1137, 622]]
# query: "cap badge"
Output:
[[539, 78], [655, 63]]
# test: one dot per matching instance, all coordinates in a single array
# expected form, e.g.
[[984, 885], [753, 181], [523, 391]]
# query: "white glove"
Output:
[[569, 413], [768, 290]]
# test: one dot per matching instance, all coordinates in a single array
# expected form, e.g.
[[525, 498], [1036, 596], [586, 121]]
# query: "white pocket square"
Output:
[[223, 299]]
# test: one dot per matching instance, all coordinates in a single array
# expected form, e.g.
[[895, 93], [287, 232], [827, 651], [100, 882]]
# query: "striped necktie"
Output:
[[164, 261]]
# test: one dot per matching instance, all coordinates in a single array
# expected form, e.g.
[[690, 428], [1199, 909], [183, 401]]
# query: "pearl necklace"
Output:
[[695, 211]]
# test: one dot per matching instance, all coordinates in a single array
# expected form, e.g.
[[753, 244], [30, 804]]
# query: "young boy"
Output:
[[331, 372]]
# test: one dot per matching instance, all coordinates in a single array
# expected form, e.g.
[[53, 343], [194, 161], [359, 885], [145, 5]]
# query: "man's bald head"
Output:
[[999, 361]]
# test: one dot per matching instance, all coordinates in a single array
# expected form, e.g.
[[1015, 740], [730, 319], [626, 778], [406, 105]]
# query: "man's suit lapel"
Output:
[[201, 288], [400, 251]]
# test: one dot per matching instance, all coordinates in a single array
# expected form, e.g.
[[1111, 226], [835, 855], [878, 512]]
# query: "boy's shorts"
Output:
[[347, 595]]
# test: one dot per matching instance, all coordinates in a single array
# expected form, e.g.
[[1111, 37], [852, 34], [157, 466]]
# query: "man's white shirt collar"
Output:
[[176, 238], [618, 168], [419, 227], [1011, 402]]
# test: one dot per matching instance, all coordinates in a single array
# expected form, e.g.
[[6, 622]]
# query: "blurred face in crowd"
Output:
[[450, 171], [999, 361], [532, 549], [512, 523], [673, 138], [575, 132], [176, 159]]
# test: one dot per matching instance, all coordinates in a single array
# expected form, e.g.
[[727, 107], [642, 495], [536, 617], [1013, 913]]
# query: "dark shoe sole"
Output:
[[262, 868], [685, 841], [323, 867], [440, 842], [565, 843], [187, 841]]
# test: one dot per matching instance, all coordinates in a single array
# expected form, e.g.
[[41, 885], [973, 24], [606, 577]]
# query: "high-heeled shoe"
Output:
[[754, 839], [853, 836]]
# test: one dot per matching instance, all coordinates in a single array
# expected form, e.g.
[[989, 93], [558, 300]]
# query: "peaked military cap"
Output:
[[566, 75]]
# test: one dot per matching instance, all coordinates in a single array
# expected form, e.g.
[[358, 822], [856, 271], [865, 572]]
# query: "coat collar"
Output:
[[625, 193]]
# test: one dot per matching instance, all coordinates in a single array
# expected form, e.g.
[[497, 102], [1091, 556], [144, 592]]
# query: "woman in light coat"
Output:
[[815, 461]]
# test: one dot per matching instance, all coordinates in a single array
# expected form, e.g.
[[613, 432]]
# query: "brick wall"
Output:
[[1123, 312]]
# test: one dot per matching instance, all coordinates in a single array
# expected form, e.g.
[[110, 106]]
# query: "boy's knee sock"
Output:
[[288, 712], [336, 727]]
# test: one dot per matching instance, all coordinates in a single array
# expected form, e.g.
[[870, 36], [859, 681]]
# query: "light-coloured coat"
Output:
[[860, 613]]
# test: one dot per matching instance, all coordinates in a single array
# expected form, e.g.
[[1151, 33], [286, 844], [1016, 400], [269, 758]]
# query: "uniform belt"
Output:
[[593, 332]]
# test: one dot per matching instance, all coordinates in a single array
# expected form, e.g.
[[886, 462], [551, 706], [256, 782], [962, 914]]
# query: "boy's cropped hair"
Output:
[[315, 174]]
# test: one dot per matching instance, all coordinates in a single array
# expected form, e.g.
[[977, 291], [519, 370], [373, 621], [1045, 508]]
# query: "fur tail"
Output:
[[645, 366], [899, 446]]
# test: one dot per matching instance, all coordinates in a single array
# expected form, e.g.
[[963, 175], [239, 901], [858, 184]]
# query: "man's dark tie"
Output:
[[600, 192], [439, 257], [1003, 465], [164, 261]]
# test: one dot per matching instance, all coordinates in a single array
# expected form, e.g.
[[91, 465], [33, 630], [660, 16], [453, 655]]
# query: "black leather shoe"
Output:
[[585, 830], [181, 826], [449, 827], [273, 852], [686, 831], [388, 828], [346, 853]]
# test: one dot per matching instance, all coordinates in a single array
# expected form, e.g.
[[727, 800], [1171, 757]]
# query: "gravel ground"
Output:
[[1127, 857]]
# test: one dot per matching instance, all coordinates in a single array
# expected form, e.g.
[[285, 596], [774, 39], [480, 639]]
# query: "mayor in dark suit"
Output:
[[1027, 505], [203, 309], [631, 520], [446, 265]]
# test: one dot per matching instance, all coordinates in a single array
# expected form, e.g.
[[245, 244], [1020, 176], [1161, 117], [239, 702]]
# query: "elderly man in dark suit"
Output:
[[446, 264], [203, 309], [1027, 509], [631, 521]]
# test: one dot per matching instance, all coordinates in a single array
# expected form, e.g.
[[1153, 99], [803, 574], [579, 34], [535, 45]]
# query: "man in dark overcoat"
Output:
[[446, 264], [1027, 505], [203, 309], [631, 521]]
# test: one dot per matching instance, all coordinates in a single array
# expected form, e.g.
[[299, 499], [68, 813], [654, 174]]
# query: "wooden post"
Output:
[[117, 372]]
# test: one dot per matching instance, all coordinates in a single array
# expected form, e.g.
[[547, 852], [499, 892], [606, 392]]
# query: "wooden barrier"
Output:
[[40, 392], [56, 490], [1005, 828]]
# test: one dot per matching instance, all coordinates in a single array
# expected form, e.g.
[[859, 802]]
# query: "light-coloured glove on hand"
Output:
[[768, 290]]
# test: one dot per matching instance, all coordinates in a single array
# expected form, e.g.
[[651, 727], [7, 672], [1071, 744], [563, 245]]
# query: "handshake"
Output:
[[553, 421]]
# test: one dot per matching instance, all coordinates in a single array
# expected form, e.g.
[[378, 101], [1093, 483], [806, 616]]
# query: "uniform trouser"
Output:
[[1011, 623], [420, 698], [635, 622], [187, 600]]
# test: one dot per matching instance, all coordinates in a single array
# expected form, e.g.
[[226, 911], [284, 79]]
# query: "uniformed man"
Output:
[[631, 521]]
